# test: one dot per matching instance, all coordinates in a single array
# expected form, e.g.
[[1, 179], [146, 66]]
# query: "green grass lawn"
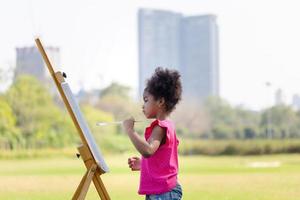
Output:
[[272, 177]]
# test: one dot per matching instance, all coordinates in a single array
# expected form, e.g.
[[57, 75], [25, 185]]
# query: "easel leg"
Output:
[[100, 187], [78, 190], [84, 184], [89, 162]]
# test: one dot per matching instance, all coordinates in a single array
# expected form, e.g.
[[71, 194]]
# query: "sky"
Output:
[[259, 41]]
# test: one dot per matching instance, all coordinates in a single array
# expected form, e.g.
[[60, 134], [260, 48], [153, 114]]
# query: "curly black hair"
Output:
[[165, 83]]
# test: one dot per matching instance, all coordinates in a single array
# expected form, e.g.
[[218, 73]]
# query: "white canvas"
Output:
[[84, 127]]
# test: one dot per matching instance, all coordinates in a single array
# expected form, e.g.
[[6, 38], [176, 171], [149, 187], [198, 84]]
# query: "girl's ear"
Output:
[[161, 102]]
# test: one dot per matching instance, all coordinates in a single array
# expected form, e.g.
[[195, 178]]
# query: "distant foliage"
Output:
[[238, 147], [31, 118], [116, 89], [94, 115], [217, 119], [115, 99], [9, 134], [40, 121]]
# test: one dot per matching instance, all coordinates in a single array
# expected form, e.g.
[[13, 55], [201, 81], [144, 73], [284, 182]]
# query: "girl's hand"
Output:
[[134, 163], [128, 125]]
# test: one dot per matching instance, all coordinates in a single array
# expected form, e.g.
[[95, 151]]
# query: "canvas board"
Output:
[[84, 127]]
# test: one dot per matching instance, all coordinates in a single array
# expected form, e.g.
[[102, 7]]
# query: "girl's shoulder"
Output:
[[162, 123]]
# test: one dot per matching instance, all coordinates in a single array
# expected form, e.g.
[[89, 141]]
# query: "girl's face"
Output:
[[151, 106]]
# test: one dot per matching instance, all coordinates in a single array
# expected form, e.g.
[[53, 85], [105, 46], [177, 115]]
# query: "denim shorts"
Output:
[[174, 194]]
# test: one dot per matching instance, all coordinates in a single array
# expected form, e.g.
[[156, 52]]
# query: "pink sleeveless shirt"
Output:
[[159, 172]]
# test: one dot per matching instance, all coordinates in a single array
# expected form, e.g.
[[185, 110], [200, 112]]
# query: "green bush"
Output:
[[238, 147]]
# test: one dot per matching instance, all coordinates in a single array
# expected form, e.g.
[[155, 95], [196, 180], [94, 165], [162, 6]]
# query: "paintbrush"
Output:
[[112, 123]]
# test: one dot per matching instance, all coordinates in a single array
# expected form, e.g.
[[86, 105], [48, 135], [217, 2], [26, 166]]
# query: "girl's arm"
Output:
[[146, 148]]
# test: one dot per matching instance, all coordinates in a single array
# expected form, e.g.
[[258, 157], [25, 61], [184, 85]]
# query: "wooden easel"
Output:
[[93, 169]]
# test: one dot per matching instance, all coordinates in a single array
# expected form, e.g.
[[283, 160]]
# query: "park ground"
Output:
[[270, 177]]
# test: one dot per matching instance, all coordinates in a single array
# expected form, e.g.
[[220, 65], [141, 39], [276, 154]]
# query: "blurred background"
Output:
[[238, 121]]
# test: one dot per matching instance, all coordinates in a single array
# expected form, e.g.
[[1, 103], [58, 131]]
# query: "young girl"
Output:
[[158, 164]]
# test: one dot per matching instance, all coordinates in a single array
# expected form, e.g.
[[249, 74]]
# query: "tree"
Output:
[[115, 99], [94, 115], [9, 134], [40, 121], [248, 122], [223, 119], [231, 122], [249, 133], [191, 120], [284, 122], [116, 89]]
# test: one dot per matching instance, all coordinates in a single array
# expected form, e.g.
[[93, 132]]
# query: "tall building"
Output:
[[159, 36], [200, 57], [29, 62], [188, 44], [296, 101], [279, 97]]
